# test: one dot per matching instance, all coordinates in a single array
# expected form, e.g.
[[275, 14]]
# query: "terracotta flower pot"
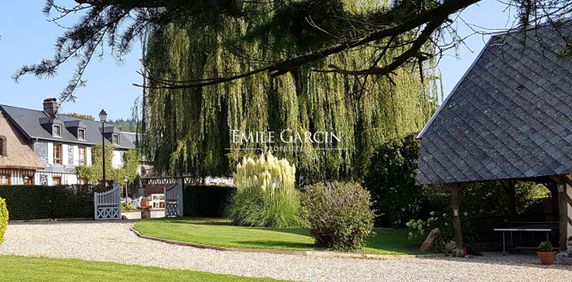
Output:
[[546, 257]]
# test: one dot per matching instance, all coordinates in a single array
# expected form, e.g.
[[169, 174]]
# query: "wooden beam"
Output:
[[563, 216], [562, 181], [456, 190]]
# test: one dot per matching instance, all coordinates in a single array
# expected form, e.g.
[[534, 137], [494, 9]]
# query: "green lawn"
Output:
[[217, 232], [13, 268]]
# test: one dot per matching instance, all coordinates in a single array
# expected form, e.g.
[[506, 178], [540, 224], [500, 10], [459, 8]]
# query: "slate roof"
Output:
[[29, 122], [19, 154], [509, 117]]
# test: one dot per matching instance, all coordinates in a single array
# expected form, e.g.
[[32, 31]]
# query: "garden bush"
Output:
[[3, 219], [41, 202], [419, 229], [390, 179], [206, 200], [266, 194], [340, 216]]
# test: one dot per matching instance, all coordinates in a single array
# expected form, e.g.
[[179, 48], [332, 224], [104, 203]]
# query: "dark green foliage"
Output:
[[391, 181], [419, 229], [484, 205], [545, 246], [94, 172], [38, 202], [205, 200], [3, 219], [489, 204], [129, 125], [340, 216]]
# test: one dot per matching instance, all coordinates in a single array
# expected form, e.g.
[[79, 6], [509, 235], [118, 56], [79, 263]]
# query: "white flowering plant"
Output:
[[266, 193], [419, 229]]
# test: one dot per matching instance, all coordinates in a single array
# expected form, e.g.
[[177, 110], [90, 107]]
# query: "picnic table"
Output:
[[547, 228]]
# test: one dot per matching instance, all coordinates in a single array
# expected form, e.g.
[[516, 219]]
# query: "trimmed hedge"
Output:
[[205, 200], [43, 202]]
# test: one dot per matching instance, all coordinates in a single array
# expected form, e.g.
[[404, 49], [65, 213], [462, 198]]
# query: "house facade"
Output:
[[18, 162], [53, 144]]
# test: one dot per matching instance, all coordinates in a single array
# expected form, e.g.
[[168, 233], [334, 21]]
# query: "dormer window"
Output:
[[57, 130], [115, 139], [81, 133]]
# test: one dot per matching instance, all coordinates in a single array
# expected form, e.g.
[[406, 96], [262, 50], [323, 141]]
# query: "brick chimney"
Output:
[[51, 106]]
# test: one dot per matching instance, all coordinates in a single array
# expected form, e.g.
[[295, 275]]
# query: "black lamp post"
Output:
[[103, 118], [125, 180]]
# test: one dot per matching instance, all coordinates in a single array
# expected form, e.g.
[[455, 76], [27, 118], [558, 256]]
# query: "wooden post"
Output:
[[509, 187], [456, 212], [562, 215], [562, 182], [553, 188]]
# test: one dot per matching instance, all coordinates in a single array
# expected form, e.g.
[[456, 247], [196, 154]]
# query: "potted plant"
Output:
[[545, 253]]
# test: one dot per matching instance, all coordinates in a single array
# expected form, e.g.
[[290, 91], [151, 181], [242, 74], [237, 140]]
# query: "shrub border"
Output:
[[327, 254]]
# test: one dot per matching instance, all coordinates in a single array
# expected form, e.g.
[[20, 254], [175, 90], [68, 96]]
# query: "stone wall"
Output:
[[41, 150]]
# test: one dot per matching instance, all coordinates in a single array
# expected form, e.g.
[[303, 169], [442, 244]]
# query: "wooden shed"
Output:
[[509, 118]]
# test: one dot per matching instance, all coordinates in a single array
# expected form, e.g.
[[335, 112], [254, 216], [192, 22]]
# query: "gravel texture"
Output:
[[113, 241]]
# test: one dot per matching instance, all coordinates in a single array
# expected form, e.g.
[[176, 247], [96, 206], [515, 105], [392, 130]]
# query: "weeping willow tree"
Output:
[[188, 130]]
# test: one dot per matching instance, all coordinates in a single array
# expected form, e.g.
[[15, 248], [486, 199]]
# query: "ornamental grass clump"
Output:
[[3, 219], [339, 214], [266, 194]]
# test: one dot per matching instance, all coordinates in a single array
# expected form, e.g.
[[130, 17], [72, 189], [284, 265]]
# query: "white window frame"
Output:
[[79, 150], [60, 155], [79, 135], [54, 131], [113, 139]]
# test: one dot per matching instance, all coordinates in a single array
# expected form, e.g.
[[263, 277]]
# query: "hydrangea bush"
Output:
[[419, 229]]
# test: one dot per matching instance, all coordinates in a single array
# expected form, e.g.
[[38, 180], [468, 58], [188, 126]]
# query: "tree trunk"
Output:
[[456, 209]]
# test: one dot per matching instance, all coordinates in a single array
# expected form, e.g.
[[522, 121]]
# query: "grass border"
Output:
[[330, 254]]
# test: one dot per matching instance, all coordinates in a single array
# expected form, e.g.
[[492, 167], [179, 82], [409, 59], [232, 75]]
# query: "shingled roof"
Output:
[[510, 116], [28, 122]]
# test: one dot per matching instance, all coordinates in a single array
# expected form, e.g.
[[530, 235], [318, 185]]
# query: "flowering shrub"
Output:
[[3, 219], [421, 228], [266, 194], [340, 217]]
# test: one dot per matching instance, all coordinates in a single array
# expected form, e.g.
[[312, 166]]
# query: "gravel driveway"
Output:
[[113, 241]]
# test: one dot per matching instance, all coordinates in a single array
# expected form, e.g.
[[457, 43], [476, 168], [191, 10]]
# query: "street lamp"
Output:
[[103, 118]]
